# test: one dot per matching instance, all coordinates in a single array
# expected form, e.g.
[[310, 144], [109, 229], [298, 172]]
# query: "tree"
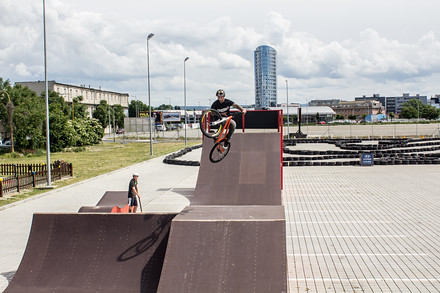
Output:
[[79, 110], [101, 113], [352, 117], [62, 133], [340, 117], [29, 119], [165, 107], [317, 117], [119, 115], [87, 131], [430, 112], [9, 107], [411, 109], [294, 118], [136, 105], [392, 116]]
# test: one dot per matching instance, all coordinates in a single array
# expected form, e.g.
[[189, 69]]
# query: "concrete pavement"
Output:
[[349, 228]]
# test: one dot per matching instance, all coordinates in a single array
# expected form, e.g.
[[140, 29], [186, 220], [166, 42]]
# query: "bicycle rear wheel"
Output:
[[219, 151], [209, 123]]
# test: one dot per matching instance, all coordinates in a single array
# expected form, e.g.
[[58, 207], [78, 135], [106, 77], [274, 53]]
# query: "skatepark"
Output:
[[319, 229]]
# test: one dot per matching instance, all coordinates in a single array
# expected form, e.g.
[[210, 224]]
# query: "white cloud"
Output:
[[106, 50]]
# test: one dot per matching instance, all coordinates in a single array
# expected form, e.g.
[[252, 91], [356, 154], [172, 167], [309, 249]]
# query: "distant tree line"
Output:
[[68, 121], [416, 109], [136, 106]]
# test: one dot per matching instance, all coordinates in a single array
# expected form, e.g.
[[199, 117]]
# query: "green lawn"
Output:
[[94, 161]]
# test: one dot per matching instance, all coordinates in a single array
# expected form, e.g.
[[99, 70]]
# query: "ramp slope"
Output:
[[226, 249], [249, 175], [110, 202], [93, 253]]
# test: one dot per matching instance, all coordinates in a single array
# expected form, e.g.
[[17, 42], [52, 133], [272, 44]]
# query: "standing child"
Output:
[[132, 193]]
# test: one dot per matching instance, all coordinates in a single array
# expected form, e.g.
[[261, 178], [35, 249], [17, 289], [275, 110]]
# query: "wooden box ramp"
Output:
[[110, 202], [93, 253], [249, 175], [226, 249]]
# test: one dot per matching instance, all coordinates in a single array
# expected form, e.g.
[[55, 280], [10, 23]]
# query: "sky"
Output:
[[326, 49]]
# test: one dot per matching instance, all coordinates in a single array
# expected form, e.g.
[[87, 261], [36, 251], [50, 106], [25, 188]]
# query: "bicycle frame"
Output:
[[224, 131]]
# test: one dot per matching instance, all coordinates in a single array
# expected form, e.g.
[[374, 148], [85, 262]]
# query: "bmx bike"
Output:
[[214, 125]]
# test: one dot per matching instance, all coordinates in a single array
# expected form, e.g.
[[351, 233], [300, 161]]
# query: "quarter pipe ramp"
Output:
[[249, 175], [93, 253]]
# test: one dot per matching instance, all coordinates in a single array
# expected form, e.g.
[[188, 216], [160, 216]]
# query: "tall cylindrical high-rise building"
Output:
[[265, 77]]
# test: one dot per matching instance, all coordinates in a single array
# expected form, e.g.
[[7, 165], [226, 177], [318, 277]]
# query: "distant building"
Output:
[[265, 59], [375, 97], [357, 108], [394, 104], [91, 96], [311, 114], [324, 102], [435, 101]]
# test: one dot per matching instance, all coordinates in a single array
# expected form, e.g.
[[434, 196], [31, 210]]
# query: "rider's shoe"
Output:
[[226, 144]]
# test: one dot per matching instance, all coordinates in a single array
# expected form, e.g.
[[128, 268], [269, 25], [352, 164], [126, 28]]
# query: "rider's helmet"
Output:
[[220, 93]]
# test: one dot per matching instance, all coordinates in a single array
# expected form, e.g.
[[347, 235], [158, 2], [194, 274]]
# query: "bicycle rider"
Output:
[[223, 105]]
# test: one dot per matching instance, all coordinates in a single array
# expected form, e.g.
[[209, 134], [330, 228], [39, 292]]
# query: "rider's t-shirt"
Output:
[[224, 107], [133, 183]]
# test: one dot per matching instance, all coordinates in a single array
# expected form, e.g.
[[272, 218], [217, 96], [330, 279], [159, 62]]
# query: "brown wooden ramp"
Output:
[[93, 253], [249, 175], [226, 249], [110, 202]]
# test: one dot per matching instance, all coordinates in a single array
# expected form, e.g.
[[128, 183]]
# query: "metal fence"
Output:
[[416, 130], [22, 176]]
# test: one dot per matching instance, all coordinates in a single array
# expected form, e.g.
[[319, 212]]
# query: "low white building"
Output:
[[91, 96], [309, 113]]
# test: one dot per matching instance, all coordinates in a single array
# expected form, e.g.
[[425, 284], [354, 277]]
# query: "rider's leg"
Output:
[[231, 130]]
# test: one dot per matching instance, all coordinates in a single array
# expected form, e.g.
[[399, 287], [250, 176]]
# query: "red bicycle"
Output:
[[214, 125]]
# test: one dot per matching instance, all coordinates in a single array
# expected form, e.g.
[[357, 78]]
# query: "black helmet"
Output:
[[220, 93]]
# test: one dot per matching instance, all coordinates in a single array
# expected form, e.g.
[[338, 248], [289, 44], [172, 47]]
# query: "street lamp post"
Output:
[[49, 179], [288, 123], [10, 109], [184, 92], [149, 97]]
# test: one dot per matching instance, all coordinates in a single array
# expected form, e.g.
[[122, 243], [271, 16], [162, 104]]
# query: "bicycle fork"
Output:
[[223, 136]]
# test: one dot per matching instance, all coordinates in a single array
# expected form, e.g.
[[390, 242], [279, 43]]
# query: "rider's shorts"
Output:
[[132, 202]]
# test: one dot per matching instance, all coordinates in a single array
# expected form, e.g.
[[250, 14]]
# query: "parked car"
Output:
[[321, 122], [161, 127], [6, 145], [120, 131]]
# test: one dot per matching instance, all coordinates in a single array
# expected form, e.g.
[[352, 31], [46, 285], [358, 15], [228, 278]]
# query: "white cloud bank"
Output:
[[103, 50]]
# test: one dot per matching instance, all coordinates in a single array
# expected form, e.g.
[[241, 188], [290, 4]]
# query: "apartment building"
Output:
[[394, 104], [91, 96], [357, 108]]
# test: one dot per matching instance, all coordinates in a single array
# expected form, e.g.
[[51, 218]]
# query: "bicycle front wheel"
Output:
[[219, 151], [209, 123]]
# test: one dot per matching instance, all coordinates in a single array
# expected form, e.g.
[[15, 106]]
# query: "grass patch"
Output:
[[93, 161]]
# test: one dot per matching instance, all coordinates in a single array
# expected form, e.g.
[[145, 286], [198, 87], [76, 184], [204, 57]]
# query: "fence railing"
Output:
[[22, 176]]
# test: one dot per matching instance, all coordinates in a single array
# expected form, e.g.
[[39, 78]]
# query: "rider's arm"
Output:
[[135, 191], [239, 108]]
